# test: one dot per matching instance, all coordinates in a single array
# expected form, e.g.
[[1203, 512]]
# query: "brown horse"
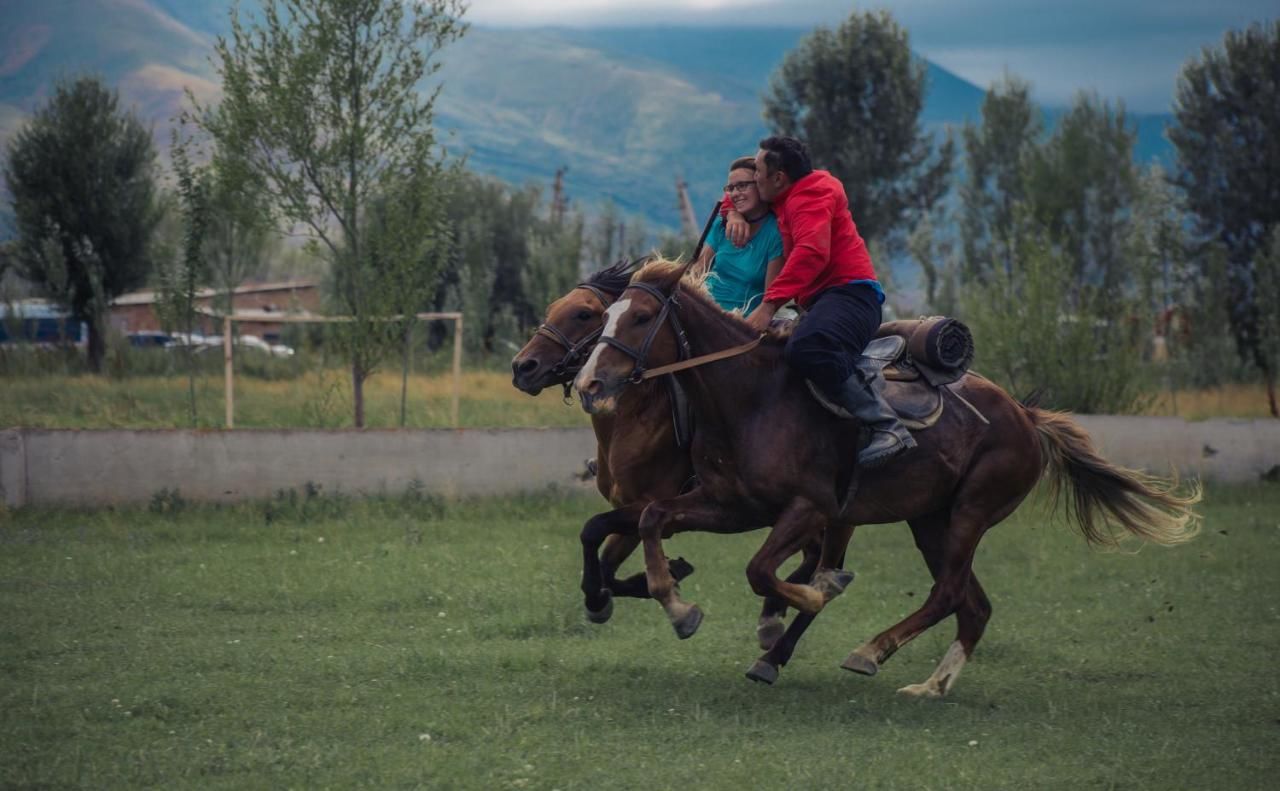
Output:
[[766, 453], [638, 457]]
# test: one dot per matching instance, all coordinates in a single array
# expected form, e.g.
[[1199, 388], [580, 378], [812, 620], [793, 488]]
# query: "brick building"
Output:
[[136, 311]]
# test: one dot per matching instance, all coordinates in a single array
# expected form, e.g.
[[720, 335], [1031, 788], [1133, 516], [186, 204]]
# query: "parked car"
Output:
[[201, 343], [274, 349], [149, 339]]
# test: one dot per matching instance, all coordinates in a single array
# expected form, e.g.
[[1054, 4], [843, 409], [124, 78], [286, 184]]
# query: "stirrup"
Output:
[[870, 459]]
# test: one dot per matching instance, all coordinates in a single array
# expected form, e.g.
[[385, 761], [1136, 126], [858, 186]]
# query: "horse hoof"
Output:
[[860, 664], [605, 612], [688, 623], [832, 582], [841, 579], [769, 632], [680, 568], [763, 672], [925, 690]]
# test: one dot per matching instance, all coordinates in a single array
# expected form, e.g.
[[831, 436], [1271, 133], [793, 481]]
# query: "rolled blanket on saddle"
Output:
[[940, 347]]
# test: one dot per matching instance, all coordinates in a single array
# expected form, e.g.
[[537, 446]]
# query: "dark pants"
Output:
[[827, 342]]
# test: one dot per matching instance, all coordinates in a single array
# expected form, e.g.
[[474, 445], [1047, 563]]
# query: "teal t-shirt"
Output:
[[736, 281]]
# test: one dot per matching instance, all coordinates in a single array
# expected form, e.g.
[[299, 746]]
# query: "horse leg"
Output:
[[765, 669], [770, 627], [971, 516], [972, 620], [691, 511], [598, 598], [950, 583], [617, 549], [796, 526], [971, 617]]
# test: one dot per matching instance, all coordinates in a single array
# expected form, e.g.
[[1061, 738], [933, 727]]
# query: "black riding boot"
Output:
[[861, 396]]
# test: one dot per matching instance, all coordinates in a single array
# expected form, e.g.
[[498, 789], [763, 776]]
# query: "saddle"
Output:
[[916, 359]]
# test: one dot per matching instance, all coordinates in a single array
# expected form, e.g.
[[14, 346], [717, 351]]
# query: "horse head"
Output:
[[641, 331], [559, 347]]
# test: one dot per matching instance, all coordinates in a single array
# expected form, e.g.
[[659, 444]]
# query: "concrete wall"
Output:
[[1234, 451], [42, 467]]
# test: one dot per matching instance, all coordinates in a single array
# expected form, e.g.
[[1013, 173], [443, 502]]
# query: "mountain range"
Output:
[[628, 110]]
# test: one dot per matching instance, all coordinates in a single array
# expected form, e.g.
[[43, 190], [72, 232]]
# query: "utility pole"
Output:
[[688, 222], [557, 196]]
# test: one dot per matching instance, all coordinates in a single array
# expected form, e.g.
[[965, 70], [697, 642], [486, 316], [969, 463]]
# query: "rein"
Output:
[[704, 359], [686, 361]]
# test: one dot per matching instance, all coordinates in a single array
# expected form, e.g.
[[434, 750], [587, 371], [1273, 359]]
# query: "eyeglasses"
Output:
[[738, 186]]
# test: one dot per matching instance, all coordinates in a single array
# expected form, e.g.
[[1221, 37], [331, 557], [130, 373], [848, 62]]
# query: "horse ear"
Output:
[[677, 274]]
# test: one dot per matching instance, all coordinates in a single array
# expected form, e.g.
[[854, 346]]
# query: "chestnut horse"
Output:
[[638, 458], [766, 453]]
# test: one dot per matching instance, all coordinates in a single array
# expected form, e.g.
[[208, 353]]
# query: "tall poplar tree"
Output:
[[996, 154], [854, 95], [1227, 138], [328, 100]]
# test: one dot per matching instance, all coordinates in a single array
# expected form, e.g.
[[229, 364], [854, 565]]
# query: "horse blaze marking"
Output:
[[611, 317]]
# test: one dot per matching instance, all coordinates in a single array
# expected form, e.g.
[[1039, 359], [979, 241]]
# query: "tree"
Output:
[[508, 257], [1033, 336], [404, 261], [180, 276], [238, 222], [1268, 275], [324, 99], [933, 248], [854, 95], [606, 237], [995, 163], [1227, 138], [84, 202], [1082, 185]]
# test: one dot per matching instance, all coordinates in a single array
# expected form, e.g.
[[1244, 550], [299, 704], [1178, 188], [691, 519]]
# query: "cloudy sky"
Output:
[[1128, 49]]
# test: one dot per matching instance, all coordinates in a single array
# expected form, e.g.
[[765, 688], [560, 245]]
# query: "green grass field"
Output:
[[330, 643]]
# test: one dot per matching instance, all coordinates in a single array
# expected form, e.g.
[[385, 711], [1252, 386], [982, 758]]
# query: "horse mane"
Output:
[[613, 279], [659, 269]]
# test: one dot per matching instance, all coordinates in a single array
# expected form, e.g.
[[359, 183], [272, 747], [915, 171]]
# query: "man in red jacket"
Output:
[[828, 271]]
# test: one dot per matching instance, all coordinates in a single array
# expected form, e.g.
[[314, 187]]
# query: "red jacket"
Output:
[[819, 239]]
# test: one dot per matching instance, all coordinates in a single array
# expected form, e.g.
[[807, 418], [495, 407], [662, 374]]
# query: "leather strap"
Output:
[[574, 352], [724, 354]]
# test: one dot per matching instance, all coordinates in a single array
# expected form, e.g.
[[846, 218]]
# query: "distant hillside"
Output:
[[133, 44], [629, 109], [626, 109]]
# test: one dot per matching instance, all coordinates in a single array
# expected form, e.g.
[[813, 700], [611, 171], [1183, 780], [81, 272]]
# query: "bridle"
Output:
[[669, 302], [575, 352]]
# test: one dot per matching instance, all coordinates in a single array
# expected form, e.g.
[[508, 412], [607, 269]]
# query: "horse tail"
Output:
[[1106, 500]]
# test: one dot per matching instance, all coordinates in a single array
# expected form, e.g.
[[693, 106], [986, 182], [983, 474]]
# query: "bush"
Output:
[[1084, 353]]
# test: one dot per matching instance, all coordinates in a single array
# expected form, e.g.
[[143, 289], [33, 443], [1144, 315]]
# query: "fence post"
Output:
[[457, 366], [228, 369]]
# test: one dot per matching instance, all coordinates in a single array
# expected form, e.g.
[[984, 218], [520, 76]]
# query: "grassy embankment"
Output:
[[316, 400], [322, 399], [411, 643]]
